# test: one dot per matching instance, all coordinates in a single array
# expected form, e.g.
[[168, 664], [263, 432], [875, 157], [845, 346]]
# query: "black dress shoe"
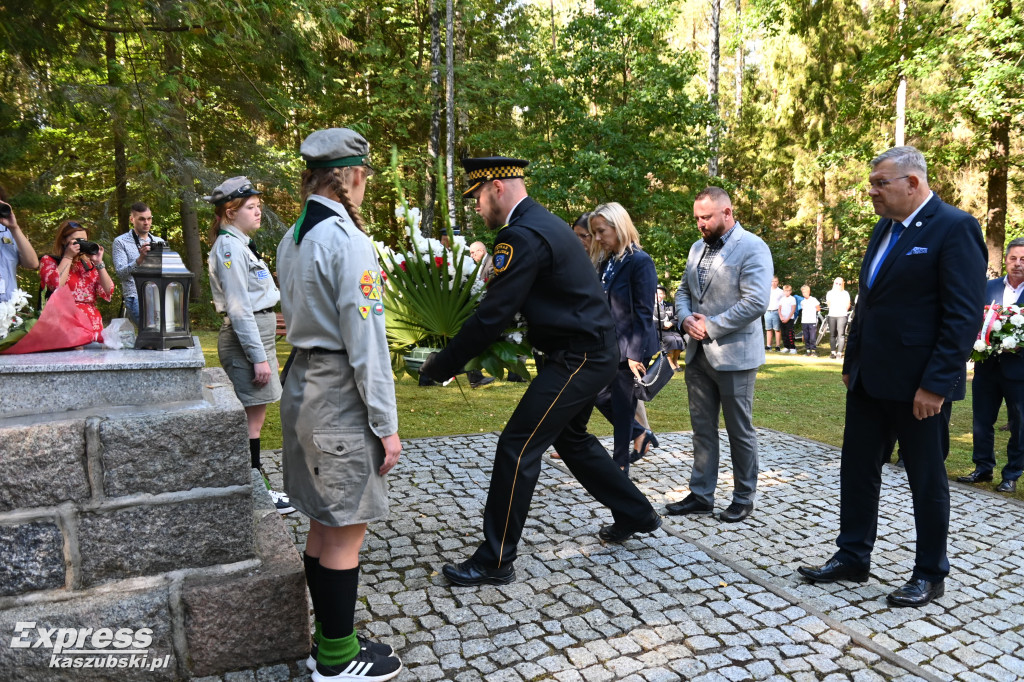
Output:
[[736, 512], [689, 505], [917, 592], [619, 532], [1007, 486], [483, 382], [833, 570], [975, 476], [469, 573]]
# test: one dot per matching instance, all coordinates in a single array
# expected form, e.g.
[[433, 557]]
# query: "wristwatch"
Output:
[[100, 266]]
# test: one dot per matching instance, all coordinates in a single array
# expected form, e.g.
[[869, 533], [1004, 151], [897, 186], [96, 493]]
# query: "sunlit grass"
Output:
[[794, 394]]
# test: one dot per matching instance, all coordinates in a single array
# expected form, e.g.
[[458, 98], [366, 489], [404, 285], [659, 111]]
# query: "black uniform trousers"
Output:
[[871, 427], [555, 410], [990, 387]]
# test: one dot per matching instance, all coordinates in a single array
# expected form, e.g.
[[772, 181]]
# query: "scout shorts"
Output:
[[240, 370]]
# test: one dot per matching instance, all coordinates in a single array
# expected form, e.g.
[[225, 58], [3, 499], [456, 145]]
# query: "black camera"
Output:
[[87, 247], [5, 210]]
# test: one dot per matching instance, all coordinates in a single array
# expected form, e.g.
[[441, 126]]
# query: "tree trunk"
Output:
[[995, 228], [999, 134], [117, 123], [901, 91], [713, 52], [819, 228], [450, 81], [180, 152], [434, 141], [739, 59]]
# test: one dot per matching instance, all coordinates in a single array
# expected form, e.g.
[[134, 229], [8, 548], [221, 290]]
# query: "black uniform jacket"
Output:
[[541, 269]]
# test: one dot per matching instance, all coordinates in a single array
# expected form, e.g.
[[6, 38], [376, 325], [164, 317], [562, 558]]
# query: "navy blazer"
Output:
[[631, 294], [1011, 365], [915, 327]]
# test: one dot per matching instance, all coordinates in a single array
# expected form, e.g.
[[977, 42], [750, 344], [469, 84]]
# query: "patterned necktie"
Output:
[[894, 234]]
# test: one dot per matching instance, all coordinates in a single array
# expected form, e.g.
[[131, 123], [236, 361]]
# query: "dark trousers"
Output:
[[989, 389], [810, 336], [837, 333], [617, 403], [555, 410], [788, 339], [871, 427]]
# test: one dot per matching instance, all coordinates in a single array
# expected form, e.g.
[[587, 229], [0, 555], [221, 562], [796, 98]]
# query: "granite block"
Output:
[[125, 613], [269, 625], [207, 443], [42, 465], [145, 540], [125, 377], [33, 558]]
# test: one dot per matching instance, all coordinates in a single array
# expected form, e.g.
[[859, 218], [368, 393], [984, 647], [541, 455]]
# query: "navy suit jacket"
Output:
[[631, 294], [915, 327], [1011, 365]]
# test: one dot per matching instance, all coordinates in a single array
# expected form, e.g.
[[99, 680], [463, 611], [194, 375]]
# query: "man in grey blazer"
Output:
[[720, 301]]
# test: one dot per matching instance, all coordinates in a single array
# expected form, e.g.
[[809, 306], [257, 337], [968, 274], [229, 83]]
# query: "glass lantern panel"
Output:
[[174, 299], [152, 296]]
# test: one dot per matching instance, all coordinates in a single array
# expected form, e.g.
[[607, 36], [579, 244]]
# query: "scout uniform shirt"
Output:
[[241, 285], [332, 294]]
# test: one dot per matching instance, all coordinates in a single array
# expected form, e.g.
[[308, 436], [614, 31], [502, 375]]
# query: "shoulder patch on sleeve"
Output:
[[502, 257]]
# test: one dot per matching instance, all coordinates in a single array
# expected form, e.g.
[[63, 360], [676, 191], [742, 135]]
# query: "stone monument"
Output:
[[133, 534]]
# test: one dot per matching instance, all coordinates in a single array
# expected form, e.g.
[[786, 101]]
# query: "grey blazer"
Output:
[[734, 298]]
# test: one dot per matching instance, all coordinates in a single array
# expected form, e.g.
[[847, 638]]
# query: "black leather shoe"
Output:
[[619, 532], [483, 382], [975, 476], [736, 512], [1007, 486], [469, 573], [689, 505], [833, 570], [917, 592]]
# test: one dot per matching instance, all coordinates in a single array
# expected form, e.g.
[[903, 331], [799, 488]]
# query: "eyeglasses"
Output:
[[369, 170], [243, 191], [882, 184]]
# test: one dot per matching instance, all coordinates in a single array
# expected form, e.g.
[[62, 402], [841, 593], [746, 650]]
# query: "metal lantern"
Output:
[[163, 283]]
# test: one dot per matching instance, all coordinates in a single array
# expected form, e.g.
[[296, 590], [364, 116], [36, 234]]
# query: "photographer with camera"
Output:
[[129, 250], [15, 249], [78, 264]]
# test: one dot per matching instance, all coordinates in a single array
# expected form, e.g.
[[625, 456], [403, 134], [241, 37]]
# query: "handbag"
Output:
[[658, 374]]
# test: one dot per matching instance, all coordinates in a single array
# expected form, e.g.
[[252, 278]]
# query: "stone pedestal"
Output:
[[132, 526]]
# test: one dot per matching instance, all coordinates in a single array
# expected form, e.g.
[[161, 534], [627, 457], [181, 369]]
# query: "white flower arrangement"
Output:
[[1001, 332], [12, 312]]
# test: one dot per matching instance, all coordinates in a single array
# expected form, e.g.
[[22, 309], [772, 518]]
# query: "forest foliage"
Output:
[[107, 103]]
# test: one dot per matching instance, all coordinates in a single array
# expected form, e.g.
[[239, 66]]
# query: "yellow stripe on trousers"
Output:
[[511, 495]]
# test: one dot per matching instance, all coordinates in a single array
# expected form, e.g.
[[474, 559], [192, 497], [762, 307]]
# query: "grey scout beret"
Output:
[[232, 188], [334, 148]]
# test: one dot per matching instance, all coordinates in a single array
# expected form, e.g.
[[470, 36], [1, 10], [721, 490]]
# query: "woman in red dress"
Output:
[[85, 274]]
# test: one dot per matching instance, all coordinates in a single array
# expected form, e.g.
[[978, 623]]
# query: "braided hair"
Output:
[[331, 181]]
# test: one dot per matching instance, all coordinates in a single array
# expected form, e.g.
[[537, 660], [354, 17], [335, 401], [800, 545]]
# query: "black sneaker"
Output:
[[378, 648], [365, 667]]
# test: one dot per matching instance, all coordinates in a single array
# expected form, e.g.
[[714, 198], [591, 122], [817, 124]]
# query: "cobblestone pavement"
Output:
[[696, 600]]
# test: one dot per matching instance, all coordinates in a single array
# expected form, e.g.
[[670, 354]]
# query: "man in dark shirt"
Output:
[[569, 320]]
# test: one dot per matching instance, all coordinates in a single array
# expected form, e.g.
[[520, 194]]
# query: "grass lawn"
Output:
[[794, 394]]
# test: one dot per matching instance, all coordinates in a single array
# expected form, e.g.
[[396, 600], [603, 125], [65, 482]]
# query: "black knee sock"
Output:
[[337, 597], [254, 452], [312, 566]]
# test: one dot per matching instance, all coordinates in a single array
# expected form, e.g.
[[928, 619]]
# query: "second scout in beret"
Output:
[[486, 168], [335, 148]]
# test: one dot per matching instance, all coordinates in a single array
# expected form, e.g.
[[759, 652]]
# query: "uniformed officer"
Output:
[[339, 419], [244, 292], [540, 269]]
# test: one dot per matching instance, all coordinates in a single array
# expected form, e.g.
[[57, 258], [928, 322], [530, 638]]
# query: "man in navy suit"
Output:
[[922, 287], [997, 378]]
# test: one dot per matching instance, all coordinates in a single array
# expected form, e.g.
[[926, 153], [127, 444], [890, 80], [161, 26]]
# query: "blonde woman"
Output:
[[339, 419], [630, 280]]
